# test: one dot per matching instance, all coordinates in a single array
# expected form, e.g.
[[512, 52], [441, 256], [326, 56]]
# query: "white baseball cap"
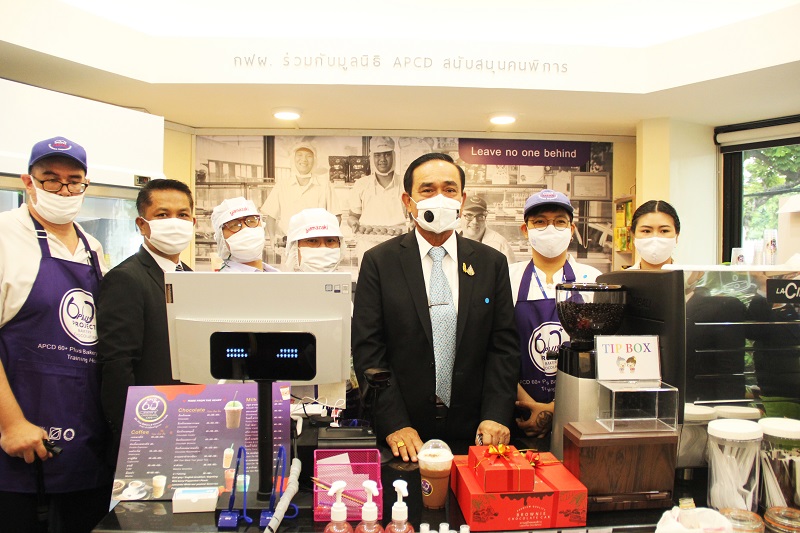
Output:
[[312, 222], [381, 144], [230, 209]]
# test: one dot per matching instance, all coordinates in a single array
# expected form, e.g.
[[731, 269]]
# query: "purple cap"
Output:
[[548, 197], [58, 146]]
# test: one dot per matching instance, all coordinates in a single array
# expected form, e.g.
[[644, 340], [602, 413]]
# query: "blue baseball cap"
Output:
[[548, 197], [58, 146]]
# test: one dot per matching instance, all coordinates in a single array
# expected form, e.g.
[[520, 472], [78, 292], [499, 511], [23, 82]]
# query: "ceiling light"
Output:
[[286, 113], [502, 118]]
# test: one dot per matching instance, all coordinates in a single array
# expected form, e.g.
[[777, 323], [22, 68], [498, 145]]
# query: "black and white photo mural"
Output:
[[360, 181]]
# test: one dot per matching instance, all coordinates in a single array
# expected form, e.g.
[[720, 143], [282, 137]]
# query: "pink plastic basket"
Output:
[[353, 466]]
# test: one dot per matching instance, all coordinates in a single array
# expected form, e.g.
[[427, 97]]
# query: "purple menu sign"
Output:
[[186, 436], [524, 152]]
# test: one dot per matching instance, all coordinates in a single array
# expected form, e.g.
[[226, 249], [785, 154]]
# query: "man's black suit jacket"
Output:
[[133, 340], [392, 329]]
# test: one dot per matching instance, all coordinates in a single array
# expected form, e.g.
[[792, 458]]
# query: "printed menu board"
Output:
[[189, 436]]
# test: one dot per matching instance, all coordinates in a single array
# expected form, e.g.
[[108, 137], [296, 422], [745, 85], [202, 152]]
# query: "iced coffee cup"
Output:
[[435, 460], [229, 473], [233, 414], [227, 457], [159, 483]]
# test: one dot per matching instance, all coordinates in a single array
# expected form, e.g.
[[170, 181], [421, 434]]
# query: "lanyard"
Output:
[[541, 287]]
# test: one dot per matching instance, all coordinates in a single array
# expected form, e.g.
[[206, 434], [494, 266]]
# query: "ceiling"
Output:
[[758, 94]]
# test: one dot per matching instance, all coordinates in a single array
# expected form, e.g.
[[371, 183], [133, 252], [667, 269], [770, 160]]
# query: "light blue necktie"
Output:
[[444, 319]]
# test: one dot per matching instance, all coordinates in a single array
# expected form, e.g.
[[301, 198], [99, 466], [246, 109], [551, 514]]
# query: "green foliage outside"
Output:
[[769, 173]]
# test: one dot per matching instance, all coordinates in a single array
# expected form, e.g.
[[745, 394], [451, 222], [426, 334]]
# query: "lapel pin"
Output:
[[467, 269]]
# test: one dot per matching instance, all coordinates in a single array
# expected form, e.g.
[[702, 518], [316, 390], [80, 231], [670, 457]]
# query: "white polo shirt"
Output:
[[583, 274], [20, 256]]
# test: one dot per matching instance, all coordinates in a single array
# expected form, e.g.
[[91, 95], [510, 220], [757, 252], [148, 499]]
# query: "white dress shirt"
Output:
[[449, 264]]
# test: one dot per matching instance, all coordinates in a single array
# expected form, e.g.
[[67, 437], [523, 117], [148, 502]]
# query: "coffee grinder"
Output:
[[627, 467], [584, 310]]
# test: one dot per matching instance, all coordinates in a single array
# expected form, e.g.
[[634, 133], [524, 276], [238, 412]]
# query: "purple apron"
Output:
[[49, 351], [539, 331]]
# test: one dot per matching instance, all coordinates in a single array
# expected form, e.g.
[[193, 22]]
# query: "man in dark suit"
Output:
[[133, 340], [406, 318]]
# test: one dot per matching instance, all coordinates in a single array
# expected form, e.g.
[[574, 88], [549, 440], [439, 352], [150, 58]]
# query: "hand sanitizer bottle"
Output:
[[369, 511], [399, 522], [338, 523]]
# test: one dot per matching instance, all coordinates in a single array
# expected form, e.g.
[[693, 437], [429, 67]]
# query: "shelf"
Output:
[[623, 238], [234, 184]]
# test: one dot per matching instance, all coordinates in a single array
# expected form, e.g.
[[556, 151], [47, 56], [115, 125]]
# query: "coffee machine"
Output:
[[584, 310]]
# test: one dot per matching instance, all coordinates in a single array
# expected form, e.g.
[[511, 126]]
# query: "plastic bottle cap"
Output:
[[369, 511], [737, 411], [444, 527], [400, 511], [338, 509], [732, 429], [424, 527], [698, 413], [785, 428], [399, 508], [338, 512]]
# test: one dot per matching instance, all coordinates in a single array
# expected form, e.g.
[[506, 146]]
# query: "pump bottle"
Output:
[[399, 522], [369, 511], [338, 523]]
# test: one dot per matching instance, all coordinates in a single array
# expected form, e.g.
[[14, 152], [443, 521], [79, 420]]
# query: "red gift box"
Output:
[[558, 499], [501, 469]]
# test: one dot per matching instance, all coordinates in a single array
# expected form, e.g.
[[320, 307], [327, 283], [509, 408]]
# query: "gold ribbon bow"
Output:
[[498, 452], [493, 453], [535, 460]]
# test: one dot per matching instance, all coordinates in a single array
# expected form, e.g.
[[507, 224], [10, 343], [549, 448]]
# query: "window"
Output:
[[761, 176]]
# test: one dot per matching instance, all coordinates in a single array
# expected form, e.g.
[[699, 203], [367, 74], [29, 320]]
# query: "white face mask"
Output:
[[656, 250], [170, 236], [438, 214], [247, 244], [322, 259], [550, 242], [57, 209]]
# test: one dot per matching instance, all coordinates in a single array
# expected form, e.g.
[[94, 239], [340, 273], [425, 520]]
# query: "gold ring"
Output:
[[400, 444]]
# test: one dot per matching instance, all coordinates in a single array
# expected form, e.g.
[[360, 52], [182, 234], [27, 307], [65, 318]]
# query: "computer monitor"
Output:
[[267, 327], [277, 326]]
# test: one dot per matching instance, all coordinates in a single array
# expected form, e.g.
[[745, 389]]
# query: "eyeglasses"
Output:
[[55, 186], [235, 225], [542, 223], [470, 218], [318, 242]]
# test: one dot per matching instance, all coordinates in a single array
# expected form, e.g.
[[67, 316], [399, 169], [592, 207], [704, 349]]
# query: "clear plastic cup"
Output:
[[435, 460]]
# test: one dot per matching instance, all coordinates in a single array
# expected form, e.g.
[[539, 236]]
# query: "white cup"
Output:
[[159, 484], [738, 257]]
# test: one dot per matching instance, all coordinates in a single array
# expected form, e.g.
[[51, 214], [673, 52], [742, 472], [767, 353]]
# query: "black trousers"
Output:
[[70, 512]]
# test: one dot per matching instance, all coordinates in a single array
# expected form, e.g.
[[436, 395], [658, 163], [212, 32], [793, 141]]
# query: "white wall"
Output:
[[119, 142], [694, 192], [677, 162]]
